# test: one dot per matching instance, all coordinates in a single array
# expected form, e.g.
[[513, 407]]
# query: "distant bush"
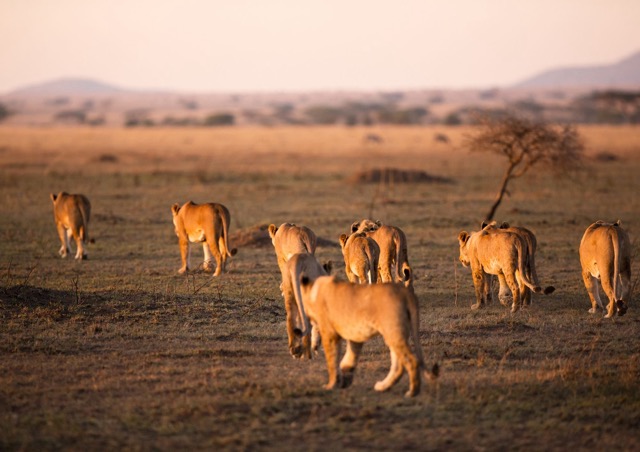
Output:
[[219, 119], [139, 122], [403, 117], [4, 112], [71, 116], [324, 115], [179, 122], [452, 119], [138, 118]]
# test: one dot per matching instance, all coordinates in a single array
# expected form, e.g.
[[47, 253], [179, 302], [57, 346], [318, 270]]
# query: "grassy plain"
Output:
[[121, 352]]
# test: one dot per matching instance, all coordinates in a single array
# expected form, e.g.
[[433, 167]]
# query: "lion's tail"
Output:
[[524, 276], [297, 294], [226, 219], [400, 256], [414, 322], [84, 229], [616, 263], [372, 267]]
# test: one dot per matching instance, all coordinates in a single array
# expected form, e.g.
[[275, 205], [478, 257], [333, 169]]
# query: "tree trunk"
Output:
[[503, 190]]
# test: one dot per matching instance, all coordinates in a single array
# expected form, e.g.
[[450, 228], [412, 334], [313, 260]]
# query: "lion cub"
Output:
[[605, 254], [355, 312], [71, 214], [361, 255]]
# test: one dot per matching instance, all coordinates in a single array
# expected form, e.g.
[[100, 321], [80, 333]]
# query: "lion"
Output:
[[71, 213], [531, 244], [207, 224], [361, 255], [492, 252], [393, 247], [356, 313], [297, 265], [605, 255], [289, 240]]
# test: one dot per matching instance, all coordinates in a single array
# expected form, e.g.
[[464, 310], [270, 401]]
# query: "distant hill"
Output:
[[623, 73], [68, 86]]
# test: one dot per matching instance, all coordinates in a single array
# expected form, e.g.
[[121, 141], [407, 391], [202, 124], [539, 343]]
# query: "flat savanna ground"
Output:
[[121, 352]]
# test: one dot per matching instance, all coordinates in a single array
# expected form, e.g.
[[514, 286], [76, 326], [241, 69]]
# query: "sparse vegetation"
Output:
[[219, 119], [526, 143], [121, 352]]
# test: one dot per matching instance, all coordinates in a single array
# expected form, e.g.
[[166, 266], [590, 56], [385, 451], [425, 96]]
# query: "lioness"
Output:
[[207, 224], [361, 255], [71, 214], [356, 312], [297, 265], [605, 254], [489, 252], [531, 244], [289, 240], [393, 247]]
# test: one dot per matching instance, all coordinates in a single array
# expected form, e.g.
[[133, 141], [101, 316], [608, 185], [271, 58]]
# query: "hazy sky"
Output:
[[292, 45]]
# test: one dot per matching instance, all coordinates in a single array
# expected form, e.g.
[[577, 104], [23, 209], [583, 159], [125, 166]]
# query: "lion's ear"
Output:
[[328, 266], [484, 224], [343, 239], [378, 223], [355, 226], [53, 197], [618, 223], [463, 237], [406, 273], [175, 209], [504, 225], [272, 230]]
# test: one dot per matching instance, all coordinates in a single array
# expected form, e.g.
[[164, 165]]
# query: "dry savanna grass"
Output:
[[121, 352]]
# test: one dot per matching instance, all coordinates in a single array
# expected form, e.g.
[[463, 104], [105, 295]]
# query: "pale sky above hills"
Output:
[[294, 45]]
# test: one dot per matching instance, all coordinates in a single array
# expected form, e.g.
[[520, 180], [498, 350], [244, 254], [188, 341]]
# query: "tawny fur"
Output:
[[393, 248], [296, 266], [361, 255], [503, 254], [356, 313], [71, 213], [531, 245], [290, 240], [605, 255], [207, 224]]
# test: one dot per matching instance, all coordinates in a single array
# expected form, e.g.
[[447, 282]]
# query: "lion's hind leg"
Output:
[[78, 238], [607, 287], [211, 250], [349, 362], [315, 339], [395, 372], [514, 285], [591, 284], [64, 240]]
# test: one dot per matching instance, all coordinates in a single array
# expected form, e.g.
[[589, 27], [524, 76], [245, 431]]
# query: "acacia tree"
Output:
[[525, 143]]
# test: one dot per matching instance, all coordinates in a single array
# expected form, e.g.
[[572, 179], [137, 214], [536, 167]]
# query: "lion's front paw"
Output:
[[332, 385], [182, 270], [411, 393], [380, 386]]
